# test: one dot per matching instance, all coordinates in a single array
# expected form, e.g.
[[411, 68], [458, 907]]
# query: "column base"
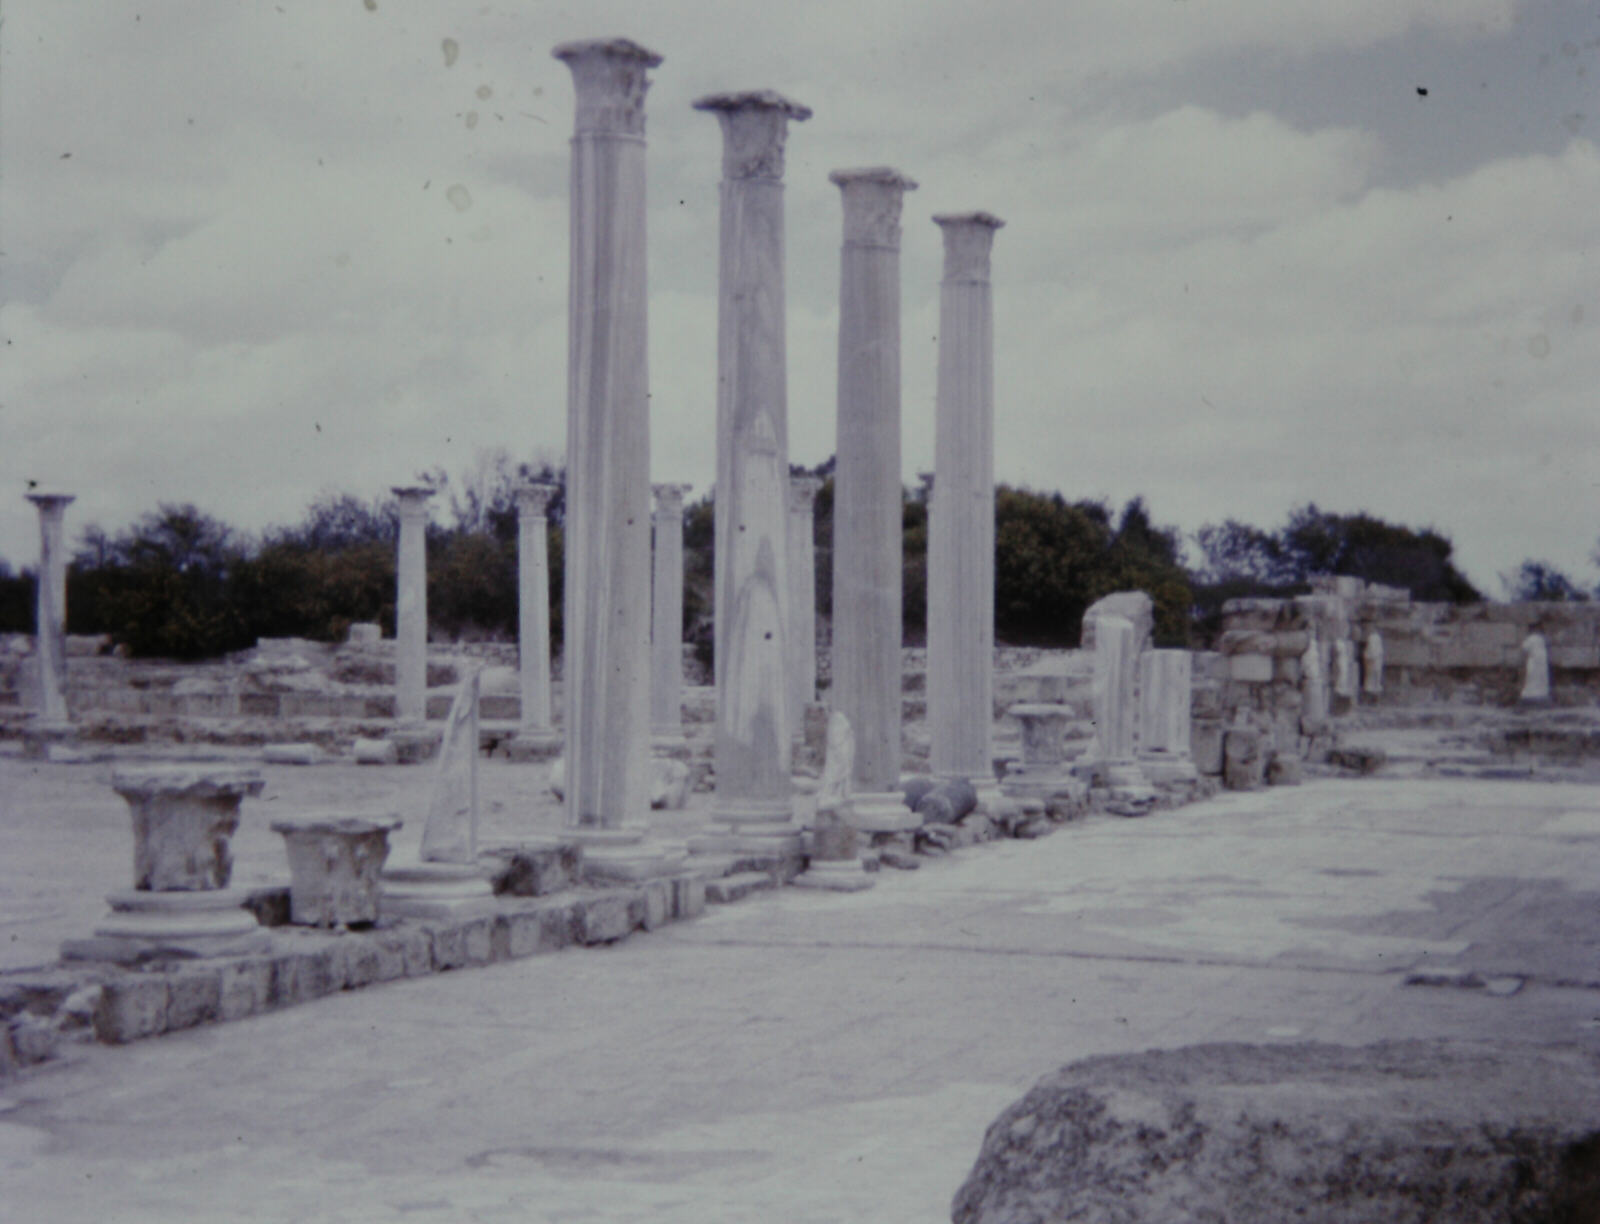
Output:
[[533, 744], [881, 812], [412, 888], [673, 744], [1167, 768], [144, 925], [624, 854], [415, 743], [749, 826], [42, 735], [835, 875]]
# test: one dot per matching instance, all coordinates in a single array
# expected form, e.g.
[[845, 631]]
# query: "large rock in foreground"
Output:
[[1398, 1132]]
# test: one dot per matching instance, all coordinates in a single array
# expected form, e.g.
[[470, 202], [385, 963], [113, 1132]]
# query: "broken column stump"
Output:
[[335, 867]]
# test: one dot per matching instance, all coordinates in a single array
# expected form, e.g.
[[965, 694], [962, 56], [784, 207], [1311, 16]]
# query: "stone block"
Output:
[[536, 868], [688, 895], [194, 996], [1246, 641], [132, 1006], [1406, 652], [605, 917], [364, 633], [1291, 642], [1575, 658], [657, 903], [301, 976], [1250, 669], [1244, 759], [411, 945], [375, 752], [1325, 1134], [534, 930], [1284, 769], [244, 987], [33, 1039], [738, 886]]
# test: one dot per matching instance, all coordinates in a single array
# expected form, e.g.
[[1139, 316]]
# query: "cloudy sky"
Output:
[[256, 251]]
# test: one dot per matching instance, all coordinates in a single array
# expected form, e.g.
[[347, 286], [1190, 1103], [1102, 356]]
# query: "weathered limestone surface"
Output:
[[184, 817], [802, 596], [533, 607], [961, 518], [1114, 710], [607, 591], [866, 506], [1043, 773], [51, 607], [1401, 1132], [411, 606], [754, 710], [1165, 690], [835, 862], [1372, 664], [335, 863], [666, 625]]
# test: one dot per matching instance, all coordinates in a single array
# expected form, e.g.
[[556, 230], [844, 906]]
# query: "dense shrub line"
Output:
[[182, 584]]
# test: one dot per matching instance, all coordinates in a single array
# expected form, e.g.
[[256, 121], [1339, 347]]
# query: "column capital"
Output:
[[968, 238], [51, 503], [669, 497], [803, 493], [533, 499], [609, 75], [872, 199], [755, 125], [413, 500]]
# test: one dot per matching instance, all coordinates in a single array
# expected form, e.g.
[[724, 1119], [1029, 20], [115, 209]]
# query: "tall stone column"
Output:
[[51, 720], [961, 518], [537, 735], [1114, 663], [666, 625], [802, 596], [607, 581], [754, 803], [866, 494], [1166, 688], [411, 606]]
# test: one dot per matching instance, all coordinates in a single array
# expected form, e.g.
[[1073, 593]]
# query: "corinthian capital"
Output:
[[754, 128], [968, 238], [609, 75], [872, 199]]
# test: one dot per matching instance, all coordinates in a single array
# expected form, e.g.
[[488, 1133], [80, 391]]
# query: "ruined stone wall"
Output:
[[1433, 653]]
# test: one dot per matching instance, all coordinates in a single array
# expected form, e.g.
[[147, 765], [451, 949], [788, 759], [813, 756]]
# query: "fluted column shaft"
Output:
[[1165, 697], [666, 628], [50, 617], [867, 558], [802, 595], [1114, 664], [961, 519], [411, 606], [533, 604], [753, 748], [607, 592]]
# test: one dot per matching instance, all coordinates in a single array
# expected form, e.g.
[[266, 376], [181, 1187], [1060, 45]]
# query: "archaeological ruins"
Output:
[[822, 756]]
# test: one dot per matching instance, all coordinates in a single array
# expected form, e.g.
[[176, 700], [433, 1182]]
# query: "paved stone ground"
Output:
[[798, 1056]]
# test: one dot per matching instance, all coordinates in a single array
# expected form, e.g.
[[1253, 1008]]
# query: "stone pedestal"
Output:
[[607, 580], [666, 625], [802, 597], [50, 724], [867, 560], [183, 820], [411, 888], [411, 607], [537, 738], [335, 863], [754, 807], [961, 514], [1044, 773]]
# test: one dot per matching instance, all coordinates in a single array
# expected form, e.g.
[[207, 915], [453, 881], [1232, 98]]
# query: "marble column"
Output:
[[666, 624], [867, 552], [961, 517], [538, 731], [607, 581], [1114, 663], [1166, 697], [802, 596], [411, 606], [50, 617], [754, 805]]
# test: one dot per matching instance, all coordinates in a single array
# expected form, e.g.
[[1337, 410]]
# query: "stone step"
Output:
[[738, 886]]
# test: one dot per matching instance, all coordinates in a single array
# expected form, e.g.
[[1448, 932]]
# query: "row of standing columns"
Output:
[[619, 689]]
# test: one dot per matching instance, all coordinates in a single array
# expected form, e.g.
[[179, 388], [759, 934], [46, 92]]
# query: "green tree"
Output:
[[1542, 582]]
